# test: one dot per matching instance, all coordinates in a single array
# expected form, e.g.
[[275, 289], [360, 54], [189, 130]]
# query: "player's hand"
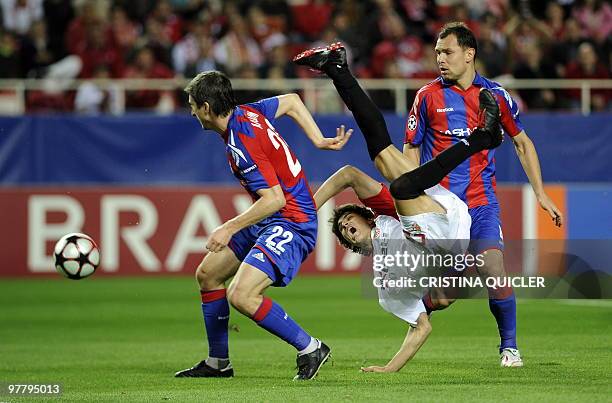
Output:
[[547, 204], [336, 143], [219, 238], [375, 368]]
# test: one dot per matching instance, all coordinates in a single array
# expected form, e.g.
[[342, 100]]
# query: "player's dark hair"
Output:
[[215, 88], [465, 36], [342, 210]]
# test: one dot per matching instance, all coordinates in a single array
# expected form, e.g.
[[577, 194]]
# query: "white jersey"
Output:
[[450, 232], [388, 240]]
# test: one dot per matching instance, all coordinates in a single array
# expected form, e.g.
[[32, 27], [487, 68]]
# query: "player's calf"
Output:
[[211, 274]]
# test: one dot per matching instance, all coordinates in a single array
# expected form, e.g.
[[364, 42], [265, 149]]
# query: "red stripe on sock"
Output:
[[500, 293], [210, 296], [263, 309]]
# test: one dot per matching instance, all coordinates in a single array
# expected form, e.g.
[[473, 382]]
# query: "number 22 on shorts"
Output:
[[278, 246]]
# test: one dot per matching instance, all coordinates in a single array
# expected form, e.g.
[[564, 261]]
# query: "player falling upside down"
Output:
[[429, 211], [265, 245]]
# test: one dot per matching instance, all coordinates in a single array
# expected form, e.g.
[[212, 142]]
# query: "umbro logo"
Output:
[[259, 256], [445, 110]]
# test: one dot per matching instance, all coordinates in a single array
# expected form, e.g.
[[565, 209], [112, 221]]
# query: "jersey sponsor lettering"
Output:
[[442, 115]]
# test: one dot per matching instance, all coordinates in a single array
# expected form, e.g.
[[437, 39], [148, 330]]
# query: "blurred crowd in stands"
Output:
[[256, 39]]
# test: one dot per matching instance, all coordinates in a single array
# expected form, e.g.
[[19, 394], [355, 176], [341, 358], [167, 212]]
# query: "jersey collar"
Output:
[[478, 80], [226, 134]]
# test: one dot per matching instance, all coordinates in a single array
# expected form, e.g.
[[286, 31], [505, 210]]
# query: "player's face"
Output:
[[356, 230], [452, 59], [198, 113]]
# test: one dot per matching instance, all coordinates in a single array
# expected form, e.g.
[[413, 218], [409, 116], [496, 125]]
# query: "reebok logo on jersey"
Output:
[[259, 256], [249, 169], [445, 110]]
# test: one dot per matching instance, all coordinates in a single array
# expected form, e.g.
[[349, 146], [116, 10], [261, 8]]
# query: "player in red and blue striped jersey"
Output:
[[444, 112], [265, 245]]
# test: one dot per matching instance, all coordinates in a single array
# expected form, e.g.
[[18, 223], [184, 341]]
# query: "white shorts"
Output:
[[450, 231]]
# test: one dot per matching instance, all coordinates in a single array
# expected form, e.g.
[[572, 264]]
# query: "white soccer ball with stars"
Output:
[[76, 256]]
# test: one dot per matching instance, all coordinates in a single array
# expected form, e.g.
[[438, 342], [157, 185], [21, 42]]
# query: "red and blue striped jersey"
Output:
[[441, 115], [260, 158]]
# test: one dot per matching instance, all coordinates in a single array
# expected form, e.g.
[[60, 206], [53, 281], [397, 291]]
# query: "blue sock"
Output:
[[273, 318], [216, 318], [504, 311]]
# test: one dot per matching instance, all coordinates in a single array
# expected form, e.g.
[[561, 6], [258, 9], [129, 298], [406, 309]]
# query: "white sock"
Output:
[[312, 346], [217, 363]]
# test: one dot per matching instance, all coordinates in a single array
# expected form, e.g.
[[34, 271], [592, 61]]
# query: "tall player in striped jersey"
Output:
[[265, 245], [434, 216], [445, 112]]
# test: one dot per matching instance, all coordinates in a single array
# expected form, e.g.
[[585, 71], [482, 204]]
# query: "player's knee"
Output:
[[493, 263], [444, 303], [439, 303], [405, 187], [202, 276], [205, 277], [199, 276]]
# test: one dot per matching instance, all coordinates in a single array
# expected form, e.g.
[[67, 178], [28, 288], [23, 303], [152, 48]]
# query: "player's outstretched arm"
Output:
[[348, 176], [292, 106], [271, 200], [531, 165], [415, 338]]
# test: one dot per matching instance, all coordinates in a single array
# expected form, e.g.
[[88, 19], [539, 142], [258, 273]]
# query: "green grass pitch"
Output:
[[111, 339]]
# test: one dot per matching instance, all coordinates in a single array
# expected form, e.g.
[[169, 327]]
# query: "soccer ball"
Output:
[[76, 256]]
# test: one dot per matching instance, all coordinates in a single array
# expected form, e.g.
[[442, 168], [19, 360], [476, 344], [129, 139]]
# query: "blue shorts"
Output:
[[275, 246], [486, 232]]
